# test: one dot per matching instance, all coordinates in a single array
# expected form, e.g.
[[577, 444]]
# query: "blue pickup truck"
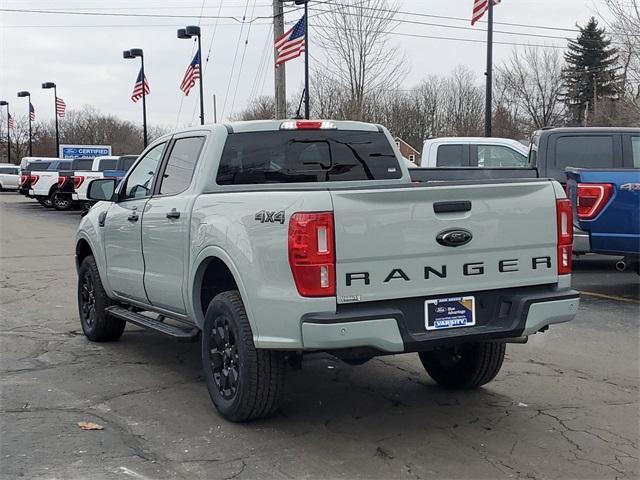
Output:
[[603, 156], [606, 206]]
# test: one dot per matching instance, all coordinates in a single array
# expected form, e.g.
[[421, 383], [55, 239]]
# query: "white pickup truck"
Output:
[[269, 239], [44, 183], [490, 152], [110, 166]]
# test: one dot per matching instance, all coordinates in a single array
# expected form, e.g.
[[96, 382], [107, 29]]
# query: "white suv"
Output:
[[9, 176]]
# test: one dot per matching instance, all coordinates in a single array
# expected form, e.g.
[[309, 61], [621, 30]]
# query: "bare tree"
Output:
[[532, 81], [355, 37]]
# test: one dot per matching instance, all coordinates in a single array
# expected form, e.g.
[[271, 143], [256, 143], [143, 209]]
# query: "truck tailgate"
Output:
[[386, 244]]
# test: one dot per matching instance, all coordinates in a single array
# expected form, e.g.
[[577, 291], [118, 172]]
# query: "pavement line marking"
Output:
[[609, 297]]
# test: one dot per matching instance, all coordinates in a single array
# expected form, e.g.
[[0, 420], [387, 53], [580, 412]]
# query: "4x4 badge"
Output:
[[264, 216]]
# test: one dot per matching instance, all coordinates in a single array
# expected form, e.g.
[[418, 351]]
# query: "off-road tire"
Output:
[[97, 326], [464, 367], [227, 340], [60, 203]]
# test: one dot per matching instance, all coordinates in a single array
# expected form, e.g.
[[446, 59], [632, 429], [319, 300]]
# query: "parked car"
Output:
[[268, 239], [9, 176], [606, 206], [45, 182], [111, 166], [554, 150], [61, 195], [473, 152]]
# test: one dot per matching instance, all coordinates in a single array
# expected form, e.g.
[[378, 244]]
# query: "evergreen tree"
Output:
[[590, 75]]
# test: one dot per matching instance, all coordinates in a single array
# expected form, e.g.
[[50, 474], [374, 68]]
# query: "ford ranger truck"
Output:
[[266, 240], [606, 206]]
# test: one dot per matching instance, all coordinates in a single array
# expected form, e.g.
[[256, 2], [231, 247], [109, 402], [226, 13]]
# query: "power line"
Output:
[[244, 52]]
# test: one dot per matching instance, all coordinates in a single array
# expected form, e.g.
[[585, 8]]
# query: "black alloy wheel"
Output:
[[87, 299], [224, 358]]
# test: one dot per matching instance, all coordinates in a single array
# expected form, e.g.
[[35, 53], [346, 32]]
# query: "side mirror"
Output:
[[102, 189]]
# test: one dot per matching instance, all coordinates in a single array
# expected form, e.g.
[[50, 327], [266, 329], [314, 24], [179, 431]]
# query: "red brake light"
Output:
[[24, 178], [62, 181], [34, 179], [591, 199], [565, 235], [312, 253], [77, 181], [307, 125]]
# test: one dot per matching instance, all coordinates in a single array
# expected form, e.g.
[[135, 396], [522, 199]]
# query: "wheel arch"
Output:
[[83, 250], [214, 272]]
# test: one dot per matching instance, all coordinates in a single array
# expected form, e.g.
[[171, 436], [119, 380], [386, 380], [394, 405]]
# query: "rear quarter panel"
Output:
[[224, 225], [616, 229]]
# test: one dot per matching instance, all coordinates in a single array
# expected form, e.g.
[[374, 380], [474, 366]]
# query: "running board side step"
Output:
[[182, 334]]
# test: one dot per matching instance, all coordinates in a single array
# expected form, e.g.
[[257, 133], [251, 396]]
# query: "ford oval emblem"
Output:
[[454, 237]]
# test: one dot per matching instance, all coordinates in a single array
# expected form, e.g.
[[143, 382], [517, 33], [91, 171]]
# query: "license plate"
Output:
[[453, 312]]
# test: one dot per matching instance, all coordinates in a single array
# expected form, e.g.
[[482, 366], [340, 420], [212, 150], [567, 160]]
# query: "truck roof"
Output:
[[588, 130]]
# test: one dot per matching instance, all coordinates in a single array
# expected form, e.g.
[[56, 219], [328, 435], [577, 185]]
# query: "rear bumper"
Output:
[[398, 326], [581, 242]]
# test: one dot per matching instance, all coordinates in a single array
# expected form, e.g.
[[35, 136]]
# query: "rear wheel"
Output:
[[60, 202], [45, 201], [466, 366], [244, 382], [93, 301], [85, 206]]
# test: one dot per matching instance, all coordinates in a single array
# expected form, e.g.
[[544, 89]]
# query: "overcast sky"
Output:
[[83, 54]]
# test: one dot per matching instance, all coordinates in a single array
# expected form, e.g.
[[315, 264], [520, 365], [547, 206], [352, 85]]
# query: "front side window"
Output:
[[180, 165], [584, 152], [140, 182], [499, 156], [450, 156], [287, 156]]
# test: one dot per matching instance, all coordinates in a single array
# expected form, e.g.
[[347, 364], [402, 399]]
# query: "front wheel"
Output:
[[97, 325], [466, 366], [244, 383]]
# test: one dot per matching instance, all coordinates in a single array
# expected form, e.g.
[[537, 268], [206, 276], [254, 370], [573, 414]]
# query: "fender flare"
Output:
[[195, 278]]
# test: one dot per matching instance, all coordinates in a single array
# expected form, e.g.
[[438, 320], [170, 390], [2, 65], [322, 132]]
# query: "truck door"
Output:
[[165, 226], [123, 232]]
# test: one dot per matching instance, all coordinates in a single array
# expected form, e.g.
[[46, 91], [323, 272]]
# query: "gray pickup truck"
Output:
[[269, 239]]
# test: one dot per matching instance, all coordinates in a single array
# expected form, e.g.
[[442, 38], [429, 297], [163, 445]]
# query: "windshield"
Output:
[[306, 156]]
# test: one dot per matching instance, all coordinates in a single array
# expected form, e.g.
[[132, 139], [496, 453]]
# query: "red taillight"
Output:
[[565, 235], [591, 199], [34, 179], [312, 253], [24, 178], [307, 125], [77, 181], [61, 181]]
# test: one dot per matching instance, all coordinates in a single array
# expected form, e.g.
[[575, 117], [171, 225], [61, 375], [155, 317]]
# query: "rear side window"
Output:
[[287, 156], [635, 151], [38, 166], [127, 162], [108, 164], [499, 156], [83, 164], [64, 165], [450, 156], [181, 164], [584, 152]]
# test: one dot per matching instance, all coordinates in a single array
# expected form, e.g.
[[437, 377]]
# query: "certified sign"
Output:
[[82, 151]]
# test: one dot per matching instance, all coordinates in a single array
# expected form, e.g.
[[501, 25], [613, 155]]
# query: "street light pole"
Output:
[[5, 103], [24, 93], [55, 112], [133, 53], [189, 32]]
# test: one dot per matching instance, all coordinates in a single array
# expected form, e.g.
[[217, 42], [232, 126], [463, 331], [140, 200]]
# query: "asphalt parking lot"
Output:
[[565, 405]]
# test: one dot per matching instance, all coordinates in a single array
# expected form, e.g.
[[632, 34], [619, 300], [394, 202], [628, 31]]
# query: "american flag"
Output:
[[191, 75], [479, 7], [137, 88], [11, 123], [291, 44], [32, 112], [60, 107]]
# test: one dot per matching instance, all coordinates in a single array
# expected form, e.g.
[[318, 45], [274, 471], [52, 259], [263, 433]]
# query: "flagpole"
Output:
[[489, 72], [200, 80], [144, 102], [306, 59], [55, 114]]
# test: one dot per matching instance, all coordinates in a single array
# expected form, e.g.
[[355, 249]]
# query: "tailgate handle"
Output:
[[450, 207]]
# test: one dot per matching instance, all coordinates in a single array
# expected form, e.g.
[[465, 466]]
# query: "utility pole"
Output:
[[489, 73], [215, 110], [280, 82]]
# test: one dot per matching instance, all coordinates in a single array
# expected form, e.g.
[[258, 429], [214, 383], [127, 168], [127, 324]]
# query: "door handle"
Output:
[[173, 214], [133, 217]]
